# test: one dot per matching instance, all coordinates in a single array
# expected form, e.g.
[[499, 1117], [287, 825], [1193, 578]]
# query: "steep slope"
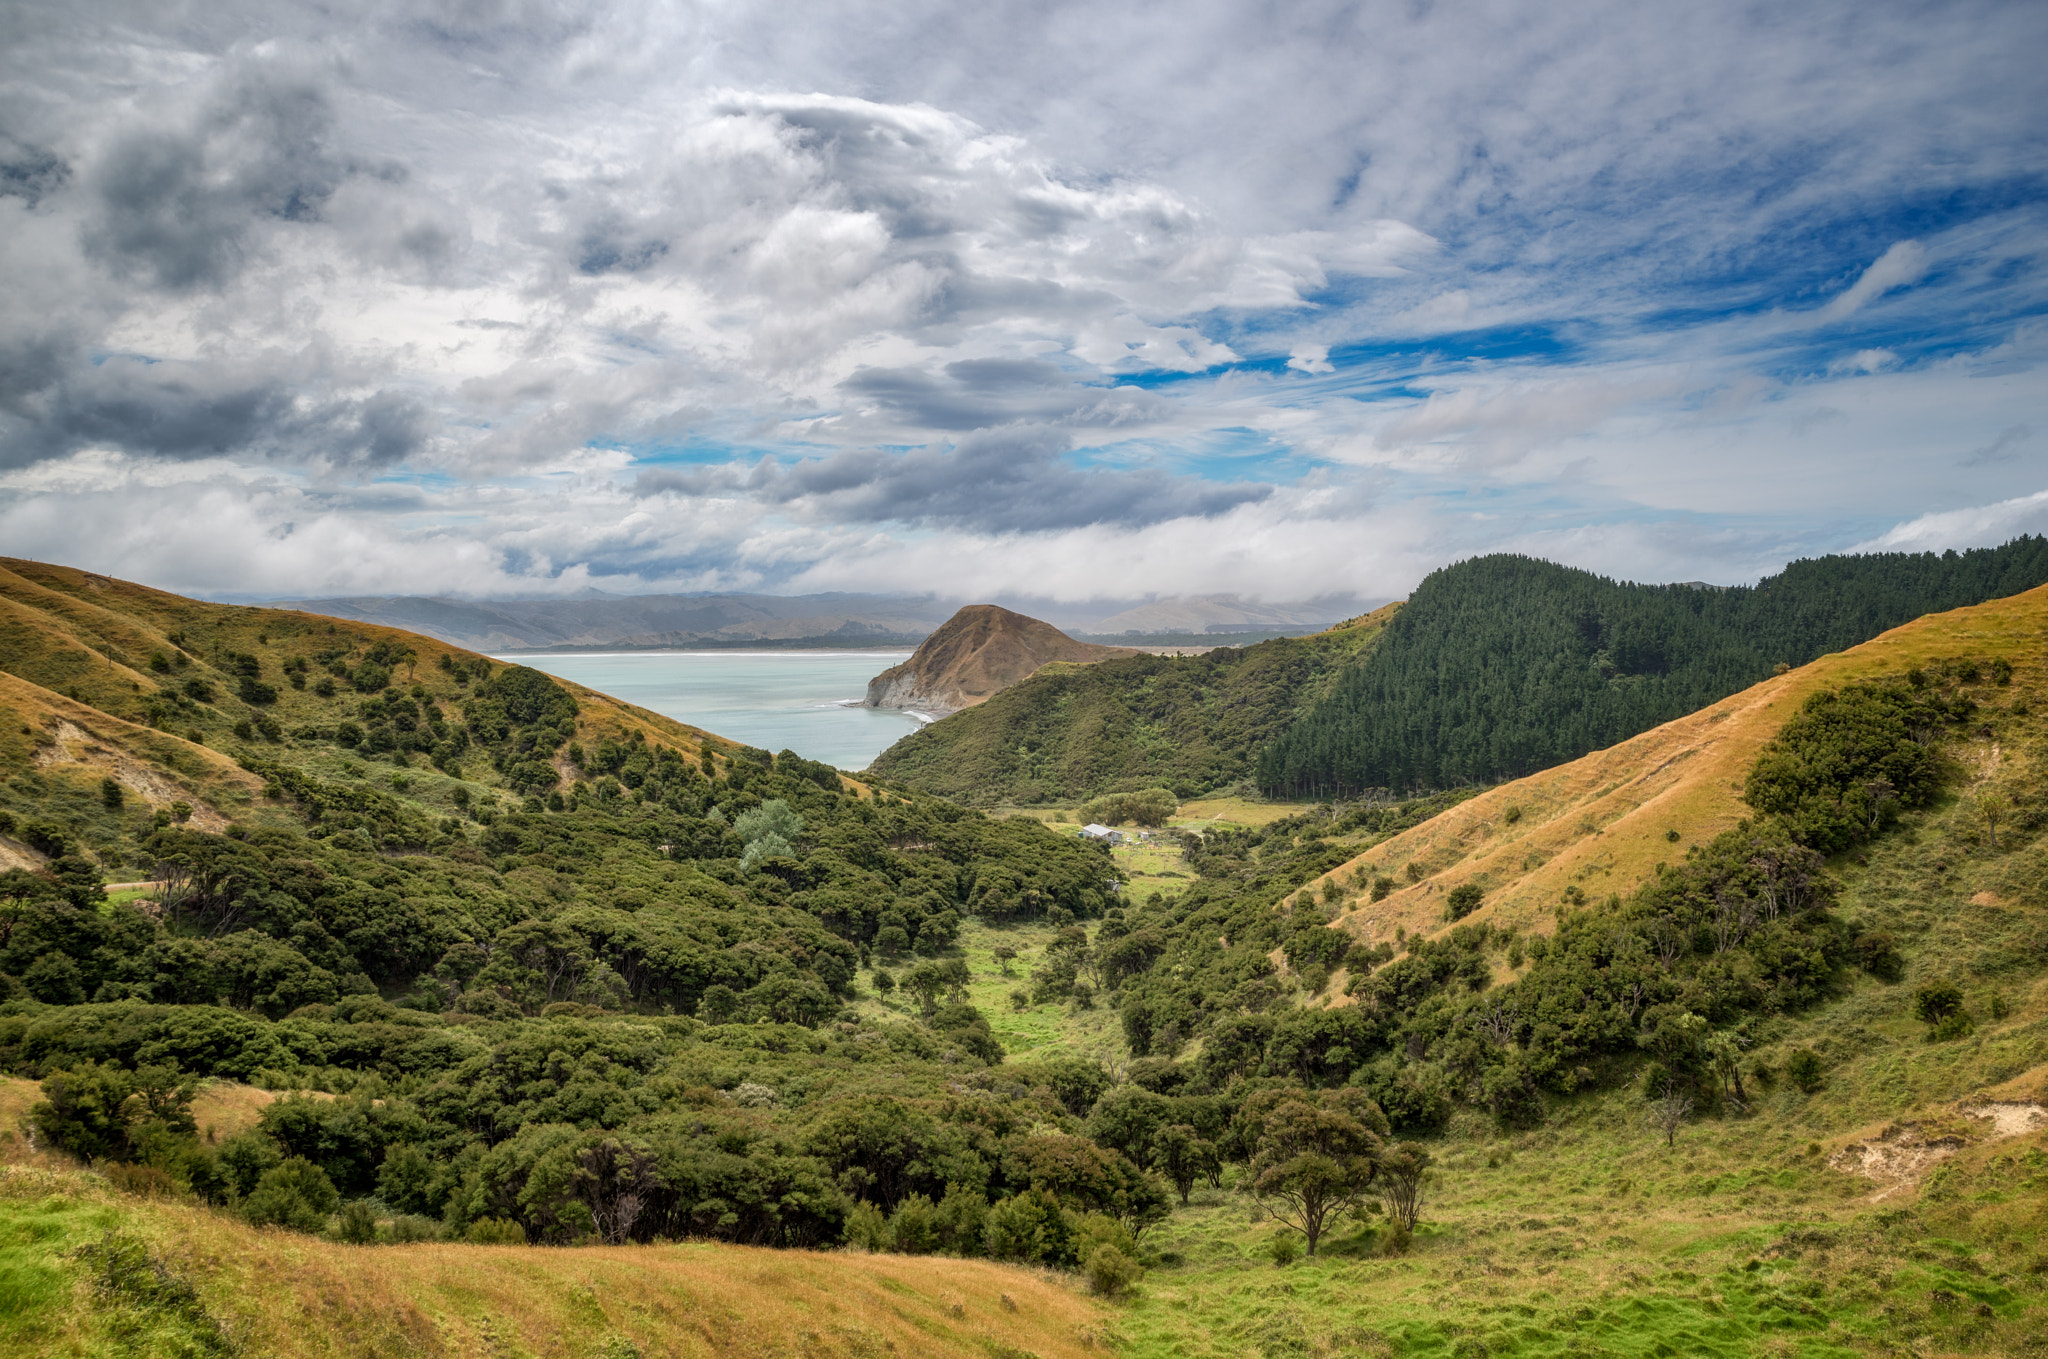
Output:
[[978, 652], [1603, 824], [1504, 665], [102, 678], [1190, 723]]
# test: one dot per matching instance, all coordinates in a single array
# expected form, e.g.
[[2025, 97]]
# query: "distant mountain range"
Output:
[[698, 622]]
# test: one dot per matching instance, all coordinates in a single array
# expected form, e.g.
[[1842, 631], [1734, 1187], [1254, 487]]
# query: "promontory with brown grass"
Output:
[[979, 652]]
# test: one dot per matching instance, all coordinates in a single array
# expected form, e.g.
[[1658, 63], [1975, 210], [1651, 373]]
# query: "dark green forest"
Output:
[[1188, 723], [1504, 665]]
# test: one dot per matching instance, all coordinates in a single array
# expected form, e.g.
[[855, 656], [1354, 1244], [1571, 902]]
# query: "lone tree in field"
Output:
[[1317, 1156], [1993, 808], [1669, 1109], [1403, 1177]]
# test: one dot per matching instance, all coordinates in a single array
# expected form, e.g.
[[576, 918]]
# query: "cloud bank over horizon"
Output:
[[524, 296]]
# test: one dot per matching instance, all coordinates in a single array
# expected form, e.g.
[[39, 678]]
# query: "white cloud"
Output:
[[410, 298], [1311, 358], [1898, 267], [1977, 526]]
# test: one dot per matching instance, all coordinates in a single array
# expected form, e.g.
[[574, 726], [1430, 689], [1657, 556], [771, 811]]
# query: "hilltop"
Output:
[[977, 653], [1503, 665], [1188, 723], [1610, 822]]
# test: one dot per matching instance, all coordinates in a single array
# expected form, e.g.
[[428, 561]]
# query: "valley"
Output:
[[546, 1025]]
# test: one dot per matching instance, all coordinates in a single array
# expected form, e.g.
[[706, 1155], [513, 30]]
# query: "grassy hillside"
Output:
[[691, 1014], [102, 678], [88, 1270], [1602, 824], [1502, 666], [1190, 723]]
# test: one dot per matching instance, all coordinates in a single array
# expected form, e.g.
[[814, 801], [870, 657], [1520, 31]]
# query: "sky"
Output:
[[1071, 301]]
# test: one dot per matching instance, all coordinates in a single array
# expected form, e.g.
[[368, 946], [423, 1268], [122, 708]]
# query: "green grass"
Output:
[[1587, 1236], [1052, 1029]]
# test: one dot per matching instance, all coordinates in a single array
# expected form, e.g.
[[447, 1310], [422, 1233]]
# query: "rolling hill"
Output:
[[1190, 723], [1604, 824], [1504, 665], [977, 653], [662, 1018]]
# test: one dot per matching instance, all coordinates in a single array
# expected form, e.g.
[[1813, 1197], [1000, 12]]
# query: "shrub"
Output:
[[1285, 1248], [1463, 900], [1110, 1272], [408, 1228], [294, 1193], [357, 1224], [84, 1111], [496, 1231], [1957, 1024], [866, 1229], [1936, 1001], [1803, 1068]]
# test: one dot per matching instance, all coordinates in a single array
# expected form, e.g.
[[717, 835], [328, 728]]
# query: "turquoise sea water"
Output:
[[778, 700]]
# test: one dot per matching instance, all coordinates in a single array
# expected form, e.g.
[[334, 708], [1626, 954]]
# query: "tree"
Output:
[[615, 1180], [1992, 808], [1669, 1109], [1724, 1050], [1403, 1178], [927, 981], [1314, 1162], [1005, 955], [1183, 1156]]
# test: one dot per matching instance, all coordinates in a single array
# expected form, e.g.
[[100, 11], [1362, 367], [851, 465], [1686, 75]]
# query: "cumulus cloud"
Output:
[[517, 294], [1311, 358]]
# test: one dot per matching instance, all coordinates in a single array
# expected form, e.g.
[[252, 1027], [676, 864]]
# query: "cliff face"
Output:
[[975, 654]]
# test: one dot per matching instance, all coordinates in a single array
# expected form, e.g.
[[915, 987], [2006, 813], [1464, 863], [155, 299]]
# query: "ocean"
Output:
[[805, 701]]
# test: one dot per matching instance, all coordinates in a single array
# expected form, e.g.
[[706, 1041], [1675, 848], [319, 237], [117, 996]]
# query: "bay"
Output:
[[805, 701]]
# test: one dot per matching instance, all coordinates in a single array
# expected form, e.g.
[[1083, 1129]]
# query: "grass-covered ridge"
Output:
[[1072, 732], [756, 1005]]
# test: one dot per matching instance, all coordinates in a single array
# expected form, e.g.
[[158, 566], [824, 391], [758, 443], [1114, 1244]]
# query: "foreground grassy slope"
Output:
[[1601, 824], [1899, 1207], [277, 1294], [1069, 732]]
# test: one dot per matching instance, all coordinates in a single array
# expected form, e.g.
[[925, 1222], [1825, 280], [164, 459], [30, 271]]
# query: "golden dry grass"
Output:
[[298, 1297], [1600, 823]]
